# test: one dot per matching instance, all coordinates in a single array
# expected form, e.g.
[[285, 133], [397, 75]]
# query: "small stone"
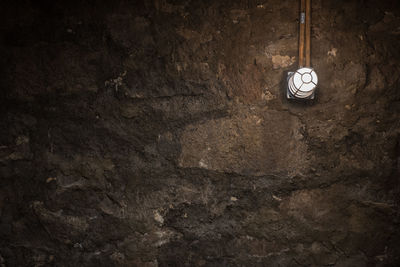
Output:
[[332, 52], [22, 140], [158, 217], [234, 199], [50, 179], [267, 95], [276, 198], [279, 61], [78, 245], [202, 164]]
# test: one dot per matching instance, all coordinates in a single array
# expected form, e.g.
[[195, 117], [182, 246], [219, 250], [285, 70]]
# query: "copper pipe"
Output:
[[301, 33], [308, 33]]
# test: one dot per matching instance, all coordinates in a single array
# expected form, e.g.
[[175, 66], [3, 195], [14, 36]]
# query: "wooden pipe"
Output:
[[308, 33], [301, 33]]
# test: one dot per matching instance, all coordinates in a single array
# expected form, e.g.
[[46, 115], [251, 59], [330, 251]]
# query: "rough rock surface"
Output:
[[157, 133]]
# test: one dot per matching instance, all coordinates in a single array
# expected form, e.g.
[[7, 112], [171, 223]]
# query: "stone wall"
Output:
[[157, 133]]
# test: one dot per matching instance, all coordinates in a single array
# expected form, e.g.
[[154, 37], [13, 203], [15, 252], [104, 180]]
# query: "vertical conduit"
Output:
[[308, 33], [301, 33]]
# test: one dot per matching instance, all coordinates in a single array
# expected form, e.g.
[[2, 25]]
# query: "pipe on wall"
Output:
[[301, 33], [308, 33]]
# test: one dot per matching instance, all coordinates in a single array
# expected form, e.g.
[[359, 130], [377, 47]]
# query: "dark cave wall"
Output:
[[157, 133]]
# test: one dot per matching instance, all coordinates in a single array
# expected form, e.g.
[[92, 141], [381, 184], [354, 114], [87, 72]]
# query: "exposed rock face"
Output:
[[258, 142], [157, 133]]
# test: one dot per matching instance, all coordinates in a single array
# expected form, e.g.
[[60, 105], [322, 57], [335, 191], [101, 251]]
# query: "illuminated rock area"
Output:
[[158, 133]]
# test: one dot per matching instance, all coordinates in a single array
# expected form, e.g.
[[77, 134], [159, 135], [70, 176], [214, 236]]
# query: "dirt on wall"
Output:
[[157, 133]]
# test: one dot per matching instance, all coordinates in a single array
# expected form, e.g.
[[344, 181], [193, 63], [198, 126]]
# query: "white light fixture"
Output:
[[302, 83]]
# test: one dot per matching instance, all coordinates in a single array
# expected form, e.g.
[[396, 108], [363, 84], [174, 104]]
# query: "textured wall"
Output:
[[157, 133]]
